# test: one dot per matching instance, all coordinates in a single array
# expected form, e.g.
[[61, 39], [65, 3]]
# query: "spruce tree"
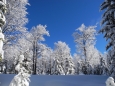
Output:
[[108, 29]]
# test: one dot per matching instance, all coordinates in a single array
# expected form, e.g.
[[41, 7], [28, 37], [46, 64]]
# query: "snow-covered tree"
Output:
[[41, 66], [61, 52], [11, 55], [58, 68], [44, 59], [108, 29], [12, 51], [37, 35], [84, 37], [69, 66], [28, 43], [22, 78], [102, 66], [14, 28], [25, 46], [107, 63], [77, 61], [15, 20], [93, 56]]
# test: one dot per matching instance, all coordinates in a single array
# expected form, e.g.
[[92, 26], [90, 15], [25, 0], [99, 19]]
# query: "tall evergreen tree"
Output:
[[108, 29]]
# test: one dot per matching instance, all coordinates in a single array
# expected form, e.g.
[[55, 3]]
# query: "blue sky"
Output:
[[62, 17]]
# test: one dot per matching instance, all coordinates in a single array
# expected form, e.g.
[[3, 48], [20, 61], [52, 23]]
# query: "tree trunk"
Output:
[[34, 56], [85, 54]]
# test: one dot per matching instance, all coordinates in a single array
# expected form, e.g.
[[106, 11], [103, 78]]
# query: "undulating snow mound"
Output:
[[110, 82]]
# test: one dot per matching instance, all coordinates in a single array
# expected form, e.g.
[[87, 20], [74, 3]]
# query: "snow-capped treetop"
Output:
[[39, 31], [84, 34], [62, 47]]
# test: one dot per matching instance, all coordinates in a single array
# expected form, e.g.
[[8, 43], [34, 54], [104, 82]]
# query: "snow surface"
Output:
[[59, 80]]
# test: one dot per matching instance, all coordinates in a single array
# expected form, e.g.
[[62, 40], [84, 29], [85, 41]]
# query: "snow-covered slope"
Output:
[[75, 80]]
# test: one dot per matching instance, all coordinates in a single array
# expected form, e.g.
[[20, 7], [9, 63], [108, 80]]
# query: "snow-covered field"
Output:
[[69, 80]]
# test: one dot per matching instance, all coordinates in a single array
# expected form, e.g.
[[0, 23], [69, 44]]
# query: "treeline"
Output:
[[63, 66]]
